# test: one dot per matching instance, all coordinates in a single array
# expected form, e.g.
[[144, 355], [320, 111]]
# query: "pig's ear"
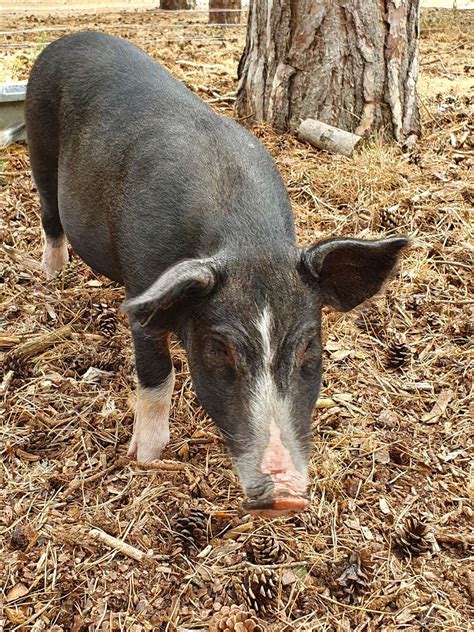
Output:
[[192, 276], [349, 271]]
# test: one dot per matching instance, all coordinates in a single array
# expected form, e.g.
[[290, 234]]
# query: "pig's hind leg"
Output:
[[44, 152], [155, 373]]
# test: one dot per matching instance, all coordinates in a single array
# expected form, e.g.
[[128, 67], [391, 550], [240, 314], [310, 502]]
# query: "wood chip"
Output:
[[17, 591], [439, 408]]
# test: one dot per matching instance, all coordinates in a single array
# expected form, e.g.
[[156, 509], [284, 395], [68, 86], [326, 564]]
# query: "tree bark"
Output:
[[175, 5], [217, 16], [352, 64]]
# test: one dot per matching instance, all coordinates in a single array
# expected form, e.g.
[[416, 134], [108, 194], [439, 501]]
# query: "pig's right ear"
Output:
[[192, 276]]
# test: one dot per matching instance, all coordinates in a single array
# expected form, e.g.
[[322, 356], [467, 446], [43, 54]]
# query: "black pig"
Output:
[[187, 210]]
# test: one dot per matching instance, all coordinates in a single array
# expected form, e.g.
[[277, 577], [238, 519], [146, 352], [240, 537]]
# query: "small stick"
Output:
[[20, 257], [325, 402], [221, 100], [8, 341], [78, 482], [118, 545], [454, 538], [5, 384], [169, 466], [41, 343], [242, 565]]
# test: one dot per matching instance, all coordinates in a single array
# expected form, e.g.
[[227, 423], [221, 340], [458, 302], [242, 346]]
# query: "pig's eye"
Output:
[[308, 353], [220, 352]]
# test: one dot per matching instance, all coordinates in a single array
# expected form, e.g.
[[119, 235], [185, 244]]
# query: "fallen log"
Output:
[[327, 137]]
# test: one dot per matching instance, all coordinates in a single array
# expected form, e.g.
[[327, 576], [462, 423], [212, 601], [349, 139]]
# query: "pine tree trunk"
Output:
[[349, 63], [175, 5], [224, 17]]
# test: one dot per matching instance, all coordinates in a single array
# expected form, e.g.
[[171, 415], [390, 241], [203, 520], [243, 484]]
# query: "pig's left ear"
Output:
[[192, 276], [349, 271]]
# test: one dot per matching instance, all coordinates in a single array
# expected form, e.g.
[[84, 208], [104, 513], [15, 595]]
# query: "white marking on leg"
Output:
[[55, 255], [272, 424], [151, 431]]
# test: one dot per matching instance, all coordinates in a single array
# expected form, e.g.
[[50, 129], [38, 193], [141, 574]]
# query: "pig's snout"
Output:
[[275, 506], [279, 485], [276, 500]]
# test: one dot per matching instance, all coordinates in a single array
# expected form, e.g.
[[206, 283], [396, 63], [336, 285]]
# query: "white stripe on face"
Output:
[[151, 431], [271, 420]]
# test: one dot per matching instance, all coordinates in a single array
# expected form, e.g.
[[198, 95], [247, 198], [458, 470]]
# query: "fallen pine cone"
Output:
[[409, 538], [103, 359], [257, 589], [397, 354], [356, 574], [106, 319], [265, 550], [17, 364], [234, 619], [191, 531], [389, 218]]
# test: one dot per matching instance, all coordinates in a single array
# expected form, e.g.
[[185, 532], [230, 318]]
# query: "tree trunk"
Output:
[[175, 5], [217, 16], [352, 64]]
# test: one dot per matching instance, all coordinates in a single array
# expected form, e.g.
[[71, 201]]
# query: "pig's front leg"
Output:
[[155, 372]]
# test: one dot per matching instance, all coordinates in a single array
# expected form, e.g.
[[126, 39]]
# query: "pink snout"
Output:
[[288, 492]]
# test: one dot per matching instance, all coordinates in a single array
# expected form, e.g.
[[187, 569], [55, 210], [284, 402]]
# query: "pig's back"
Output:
[[141, 155]]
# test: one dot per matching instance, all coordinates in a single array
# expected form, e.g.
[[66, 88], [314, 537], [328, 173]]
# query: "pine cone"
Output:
[[265, 549], [306, 603], [70, 276], [191, 531], [105, 318], [107, 324], [15, 363], [389, 217], [415, 303], [257, 589], [356, 574], [235, 618], [397, 354], [105, 360], [410, 537]]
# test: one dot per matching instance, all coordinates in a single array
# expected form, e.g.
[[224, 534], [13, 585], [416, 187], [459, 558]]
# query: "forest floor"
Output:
[[387, 543]]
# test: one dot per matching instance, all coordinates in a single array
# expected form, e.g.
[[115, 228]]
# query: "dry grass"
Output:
[[390, 444]]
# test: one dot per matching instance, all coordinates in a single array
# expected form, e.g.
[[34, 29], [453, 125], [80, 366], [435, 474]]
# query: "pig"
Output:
[[187, 210]]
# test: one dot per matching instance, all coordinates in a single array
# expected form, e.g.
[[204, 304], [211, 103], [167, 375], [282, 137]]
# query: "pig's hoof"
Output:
[[146, 452], [132, 448], [55, 257]]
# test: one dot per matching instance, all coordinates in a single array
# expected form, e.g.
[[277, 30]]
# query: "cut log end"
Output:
[[327, 137]]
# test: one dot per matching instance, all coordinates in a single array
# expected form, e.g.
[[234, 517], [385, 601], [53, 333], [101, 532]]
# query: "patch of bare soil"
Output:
[[386, 544]]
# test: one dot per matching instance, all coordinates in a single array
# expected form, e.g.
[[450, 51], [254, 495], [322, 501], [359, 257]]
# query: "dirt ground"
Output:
[[387, 543]]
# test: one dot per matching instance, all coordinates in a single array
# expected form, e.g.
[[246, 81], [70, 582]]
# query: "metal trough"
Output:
[[12, 106]]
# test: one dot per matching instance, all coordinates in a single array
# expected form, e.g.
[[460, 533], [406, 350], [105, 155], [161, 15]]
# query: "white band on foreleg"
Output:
[[151, 431], [55, 255]]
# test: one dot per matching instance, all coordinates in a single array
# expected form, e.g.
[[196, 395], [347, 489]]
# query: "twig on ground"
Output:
[[77, 483], [118, 545], [41, 343]]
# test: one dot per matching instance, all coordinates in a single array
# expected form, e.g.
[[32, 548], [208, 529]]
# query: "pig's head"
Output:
[[251, 325]]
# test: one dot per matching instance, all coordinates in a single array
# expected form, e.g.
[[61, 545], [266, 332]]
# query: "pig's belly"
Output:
[[91, 241]]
